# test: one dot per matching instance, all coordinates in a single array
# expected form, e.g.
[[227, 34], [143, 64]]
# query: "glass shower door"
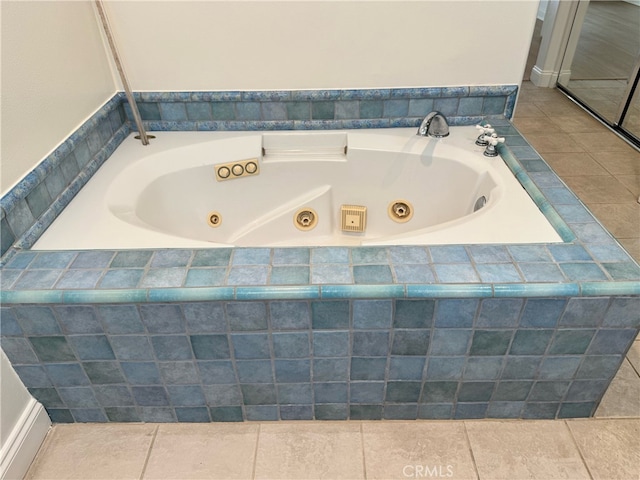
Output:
[[600, 66]]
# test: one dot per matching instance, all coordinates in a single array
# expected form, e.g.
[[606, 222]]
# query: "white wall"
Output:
[[55, 74], [23, 423], [235, 45]]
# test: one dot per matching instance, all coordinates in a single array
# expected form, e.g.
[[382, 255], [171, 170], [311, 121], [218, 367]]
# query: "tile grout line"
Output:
[[255, 452], [364, 460], [573, 438], [146, 460], [473, 457]]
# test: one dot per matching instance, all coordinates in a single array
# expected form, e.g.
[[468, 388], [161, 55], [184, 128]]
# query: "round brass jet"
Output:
[[305, 219], [400, 211], [214, 219]]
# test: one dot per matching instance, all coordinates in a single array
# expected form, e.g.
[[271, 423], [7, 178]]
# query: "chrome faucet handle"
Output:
[[484, 130], [493, 140]]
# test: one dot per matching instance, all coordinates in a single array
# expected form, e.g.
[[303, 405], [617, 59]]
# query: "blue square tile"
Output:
[[611, 341], [583, 271], [296, 412], [199, 111], [216, 257], [402, 392], [86, 415], [567, 342], [529, 253], [371, 343], [331, 369], [60, 415], [179, 373], [261, 413], [549, 391], [447, 106], [205, 277], [226, 414], [244, 316], [205, 317], [333, 255], [367, 274], [250, 345], [216, 372], [449, 254], [32, 376], [366, 392], [290, 275], [586, 390], [330, 344], [439, 392], [330, 392], [131, 347], [121, 278], [158, 414], [92, 259], [255, 371], [251, 256], [584, 312], [512, 391], [410, 342], [248, 111], [291, 256], [186, 395], [490, 342], [259, 394], [92, 347], [150, 396], [330, 315], [294, 393], [577, 409], [291, 345], [173, 111], [120, 319], [435, 411], [368, 368], [78, 319], [78, 397], [37, 280], [475, 391], [368, 314], [131, 259], [66, 374], [162, 318], [53, 260], [456, 313], [77, 279], [336, 411], [567, 253], [599, 366], [414, 274], [456, 273], [408, 255], [35, 320], [499, 312], [623, 312], [172, 347], [483, 368], [218, 395], [293, 371], [498, 273], [542, 312], [489, 254], [19, 351], [101, 373], [331, 274], [163, 277], [445, 368], [141, 373], [406, 368], [559, 368], [448, 341], [210, 347], [48, 397], [530, 342], [521, 367], [414, 313], [289, 315]]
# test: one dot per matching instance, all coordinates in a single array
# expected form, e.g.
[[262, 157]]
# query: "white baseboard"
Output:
[[23, 442], [540, 78]]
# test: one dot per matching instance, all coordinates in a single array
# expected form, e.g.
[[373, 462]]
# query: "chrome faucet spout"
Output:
[[434, 125]]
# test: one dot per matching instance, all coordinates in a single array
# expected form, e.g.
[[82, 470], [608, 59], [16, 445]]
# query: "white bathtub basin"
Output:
[[162, 195]]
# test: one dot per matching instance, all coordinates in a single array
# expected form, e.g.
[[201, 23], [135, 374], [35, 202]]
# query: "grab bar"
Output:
[[144, 138]]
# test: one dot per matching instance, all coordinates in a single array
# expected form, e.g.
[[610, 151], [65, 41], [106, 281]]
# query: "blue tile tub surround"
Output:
[[32, 205], [459, 331], [322, 359]]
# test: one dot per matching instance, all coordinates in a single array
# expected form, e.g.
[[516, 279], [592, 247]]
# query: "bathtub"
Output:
[[406, 190]]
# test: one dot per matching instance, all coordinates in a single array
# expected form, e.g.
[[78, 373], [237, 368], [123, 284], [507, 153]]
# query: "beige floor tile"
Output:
[[599, 189], [572, 162], [514, 450], [417, 450], [553, 143], [560, 106], [619, 163], [621, 219], [300, 450], [633, 355], [632, 182], [622, 398], [610, 448], [203, 451], [602, 142], [576, 124], [527, 110], [93, 451], [529, 125]]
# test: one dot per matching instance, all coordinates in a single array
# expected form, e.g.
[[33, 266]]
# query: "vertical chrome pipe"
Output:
[[144, 138]]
